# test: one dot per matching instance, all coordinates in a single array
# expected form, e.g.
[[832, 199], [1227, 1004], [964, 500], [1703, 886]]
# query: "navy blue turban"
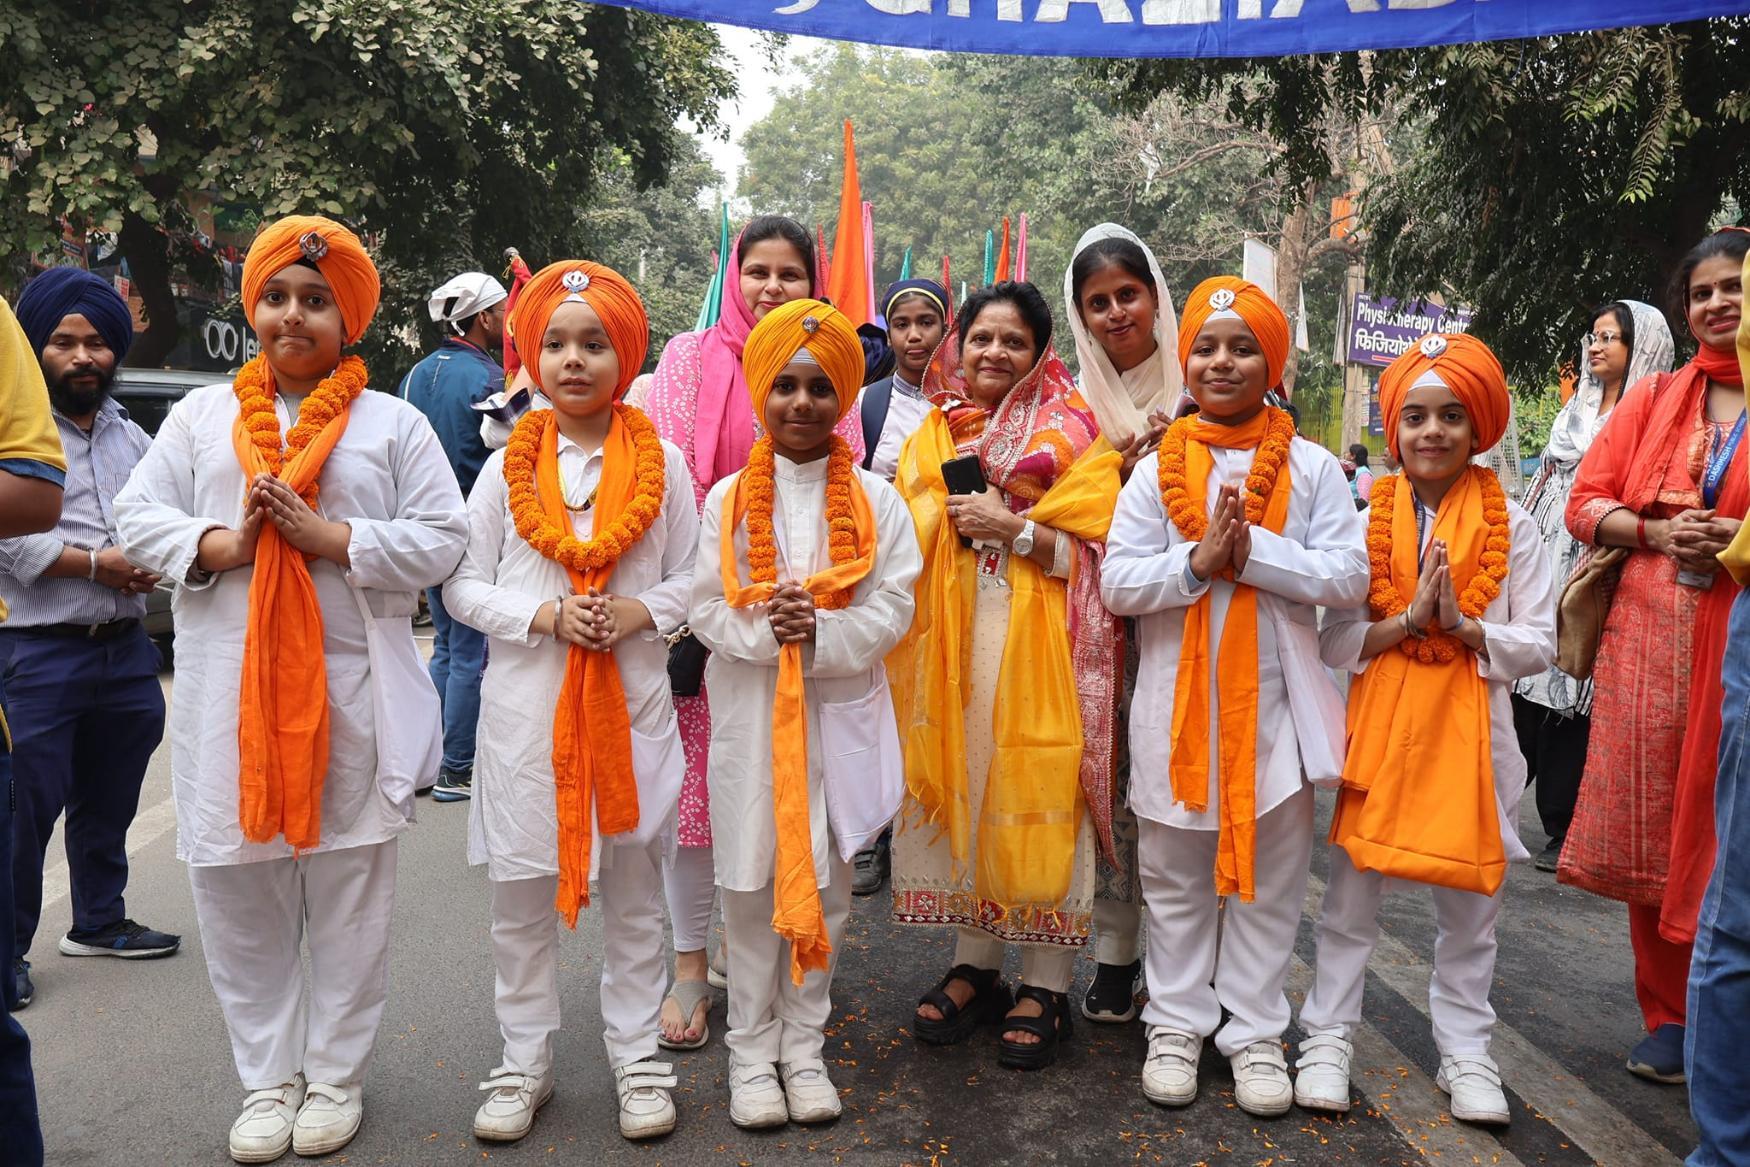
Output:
[[929, 289], [68, 291]]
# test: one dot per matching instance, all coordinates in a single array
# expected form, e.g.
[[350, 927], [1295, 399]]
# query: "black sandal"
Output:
[[990, 1000], [1052, 1028]]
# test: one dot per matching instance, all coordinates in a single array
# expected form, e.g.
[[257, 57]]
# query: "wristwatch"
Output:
[[1023, 543]]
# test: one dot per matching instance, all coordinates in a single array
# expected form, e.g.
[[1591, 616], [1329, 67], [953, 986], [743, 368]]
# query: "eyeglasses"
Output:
[[1604, 338]]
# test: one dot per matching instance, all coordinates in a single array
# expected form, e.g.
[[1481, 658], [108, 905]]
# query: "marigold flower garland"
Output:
[[1383, 595], [1191, 519], [841, 526], [611, 539], [331, 397]]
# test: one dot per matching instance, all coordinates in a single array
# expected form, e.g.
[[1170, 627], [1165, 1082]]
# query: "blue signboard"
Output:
[[1182, 28]]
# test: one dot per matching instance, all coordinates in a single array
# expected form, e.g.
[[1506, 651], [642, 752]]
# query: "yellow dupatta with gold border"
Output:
[[1032, 804]]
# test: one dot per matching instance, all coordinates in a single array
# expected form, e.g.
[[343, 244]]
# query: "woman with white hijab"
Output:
[[1127, 339], [1553, 711]]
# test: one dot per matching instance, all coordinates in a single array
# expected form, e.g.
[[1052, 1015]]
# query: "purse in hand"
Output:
[[686, 663], [1584, 605]]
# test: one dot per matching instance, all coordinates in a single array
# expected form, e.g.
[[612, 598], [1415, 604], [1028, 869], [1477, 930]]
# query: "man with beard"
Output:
[[81, 676]]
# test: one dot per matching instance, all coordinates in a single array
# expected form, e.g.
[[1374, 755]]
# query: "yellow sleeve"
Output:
[[29, 444], [1736, 557]]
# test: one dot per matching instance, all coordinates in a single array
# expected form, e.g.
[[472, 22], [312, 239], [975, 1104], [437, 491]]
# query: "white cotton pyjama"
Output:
[[1044, 966], [1464, 959], [1248, 955], [525, 952], [771, 1018], [689, 882], [253, 917], [1117, 931]]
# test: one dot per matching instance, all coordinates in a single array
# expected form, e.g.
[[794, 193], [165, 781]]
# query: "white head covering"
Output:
[[467, 295], [1122, 401], [1578, 422]]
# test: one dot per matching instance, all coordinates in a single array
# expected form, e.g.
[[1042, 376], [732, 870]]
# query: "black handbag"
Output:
[[686, 663]]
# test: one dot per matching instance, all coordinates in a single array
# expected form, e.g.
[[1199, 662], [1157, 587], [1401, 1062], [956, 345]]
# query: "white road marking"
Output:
[[1591, 1123]]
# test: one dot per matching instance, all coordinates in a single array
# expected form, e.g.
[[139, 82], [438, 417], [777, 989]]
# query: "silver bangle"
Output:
[[1060, 556], [93, 554]]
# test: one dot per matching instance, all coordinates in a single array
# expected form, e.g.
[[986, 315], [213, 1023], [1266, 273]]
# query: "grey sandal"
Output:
[[688, 995]]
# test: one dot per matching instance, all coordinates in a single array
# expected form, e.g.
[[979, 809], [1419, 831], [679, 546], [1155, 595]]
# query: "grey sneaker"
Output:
[[871, 865], [453, 786]]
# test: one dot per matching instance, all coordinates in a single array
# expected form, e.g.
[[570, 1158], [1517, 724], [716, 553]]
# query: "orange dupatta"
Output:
[[1236, 666], [282, 697], [1418, 796], [796, 910], [592, 732]]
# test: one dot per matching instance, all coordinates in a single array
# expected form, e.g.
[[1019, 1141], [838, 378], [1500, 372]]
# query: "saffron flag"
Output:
[[848, 279], [1002, 272]]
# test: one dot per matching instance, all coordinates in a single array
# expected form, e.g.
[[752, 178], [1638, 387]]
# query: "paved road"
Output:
[[133, 1065]]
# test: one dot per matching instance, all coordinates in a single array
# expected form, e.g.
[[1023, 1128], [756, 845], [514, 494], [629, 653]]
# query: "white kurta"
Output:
[[1519, 630], [388, 478], [1319, 559], [843, 665], [905, 414], [498, 589]]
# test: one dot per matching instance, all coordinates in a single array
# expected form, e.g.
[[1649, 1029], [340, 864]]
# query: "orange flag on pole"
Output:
[[1003, 255], [848, 280]]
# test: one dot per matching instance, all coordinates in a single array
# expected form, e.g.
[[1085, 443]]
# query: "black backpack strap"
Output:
[[876, 399]]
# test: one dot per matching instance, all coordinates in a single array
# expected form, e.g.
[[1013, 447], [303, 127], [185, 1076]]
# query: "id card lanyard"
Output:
[[1719, 461]]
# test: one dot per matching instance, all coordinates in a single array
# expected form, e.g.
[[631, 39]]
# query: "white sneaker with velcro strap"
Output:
[[1169, 1073], [511, 1102], [1321, 1081], [1261, 1084], [646, 1106], [809, 1094], [263, 1132], [756, 1097], [1473, 1083], [328, 1120]]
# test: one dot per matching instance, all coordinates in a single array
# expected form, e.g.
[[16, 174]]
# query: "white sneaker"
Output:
[[809, 1094], [511, 1102], [1169, 1074], [1321, 1080], [646, 1106], [263, 1132], [756, 1099], [328, 1119], [1261, 1085], [1473, 1082]]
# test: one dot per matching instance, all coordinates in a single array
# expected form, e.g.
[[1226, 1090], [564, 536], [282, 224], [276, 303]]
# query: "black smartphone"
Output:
[[964, 476]]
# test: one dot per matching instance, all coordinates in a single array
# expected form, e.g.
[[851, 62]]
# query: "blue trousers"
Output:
[[20, 1132], [458, 661], [87, 715], [1719, 974]]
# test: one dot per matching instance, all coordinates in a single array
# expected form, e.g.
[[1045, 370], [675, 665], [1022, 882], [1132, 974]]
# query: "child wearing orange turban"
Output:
[[1461, 605], [582, 533], [804, 584], [300, 517], [1224, 545]]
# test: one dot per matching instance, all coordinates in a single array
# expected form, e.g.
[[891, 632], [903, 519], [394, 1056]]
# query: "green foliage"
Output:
[[447, 129], [1534, 410], [1543, 176]]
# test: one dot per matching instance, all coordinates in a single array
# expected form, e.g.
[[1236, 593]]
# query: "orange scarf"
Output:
[[282, 699], [796, 910], [1418, 797], [1186, 464], [592, 732]]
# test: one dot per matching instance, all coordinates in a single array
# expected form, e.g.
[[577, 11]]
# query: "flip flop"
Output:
[[687, 996]]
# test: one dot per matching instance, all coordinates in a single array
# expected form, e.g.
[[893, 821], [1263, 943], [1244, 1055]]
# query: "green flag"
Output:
[[712, 308], [990, 257], [905, 265]]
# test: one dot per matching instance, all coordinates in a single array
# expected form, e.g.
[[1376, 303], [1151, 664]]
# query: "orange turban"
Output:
[[337, 253], [1246, 300], [823, 330], [602, 288], [1467, 367]]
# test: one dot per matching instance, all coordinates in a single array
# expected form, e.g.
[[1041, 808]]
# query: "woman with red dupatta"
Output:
[[1665, 479]]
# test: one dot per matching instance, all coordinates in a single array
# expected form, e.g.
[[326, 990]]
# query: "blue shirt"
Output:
[[444, 386], [98, 465]]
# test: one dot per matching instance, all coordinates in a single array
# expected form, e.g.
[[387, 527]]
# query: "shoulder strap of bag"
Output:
[[876, 399]]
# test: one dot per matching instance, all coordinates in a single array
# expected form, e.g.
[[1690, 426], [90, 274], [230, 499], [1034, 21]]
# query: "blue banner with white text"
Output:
[[1182, 28]]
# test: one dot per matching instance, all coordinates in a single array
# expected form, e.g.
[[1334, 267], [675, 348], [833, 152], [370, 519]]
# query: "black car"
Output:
[[147, 395]]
